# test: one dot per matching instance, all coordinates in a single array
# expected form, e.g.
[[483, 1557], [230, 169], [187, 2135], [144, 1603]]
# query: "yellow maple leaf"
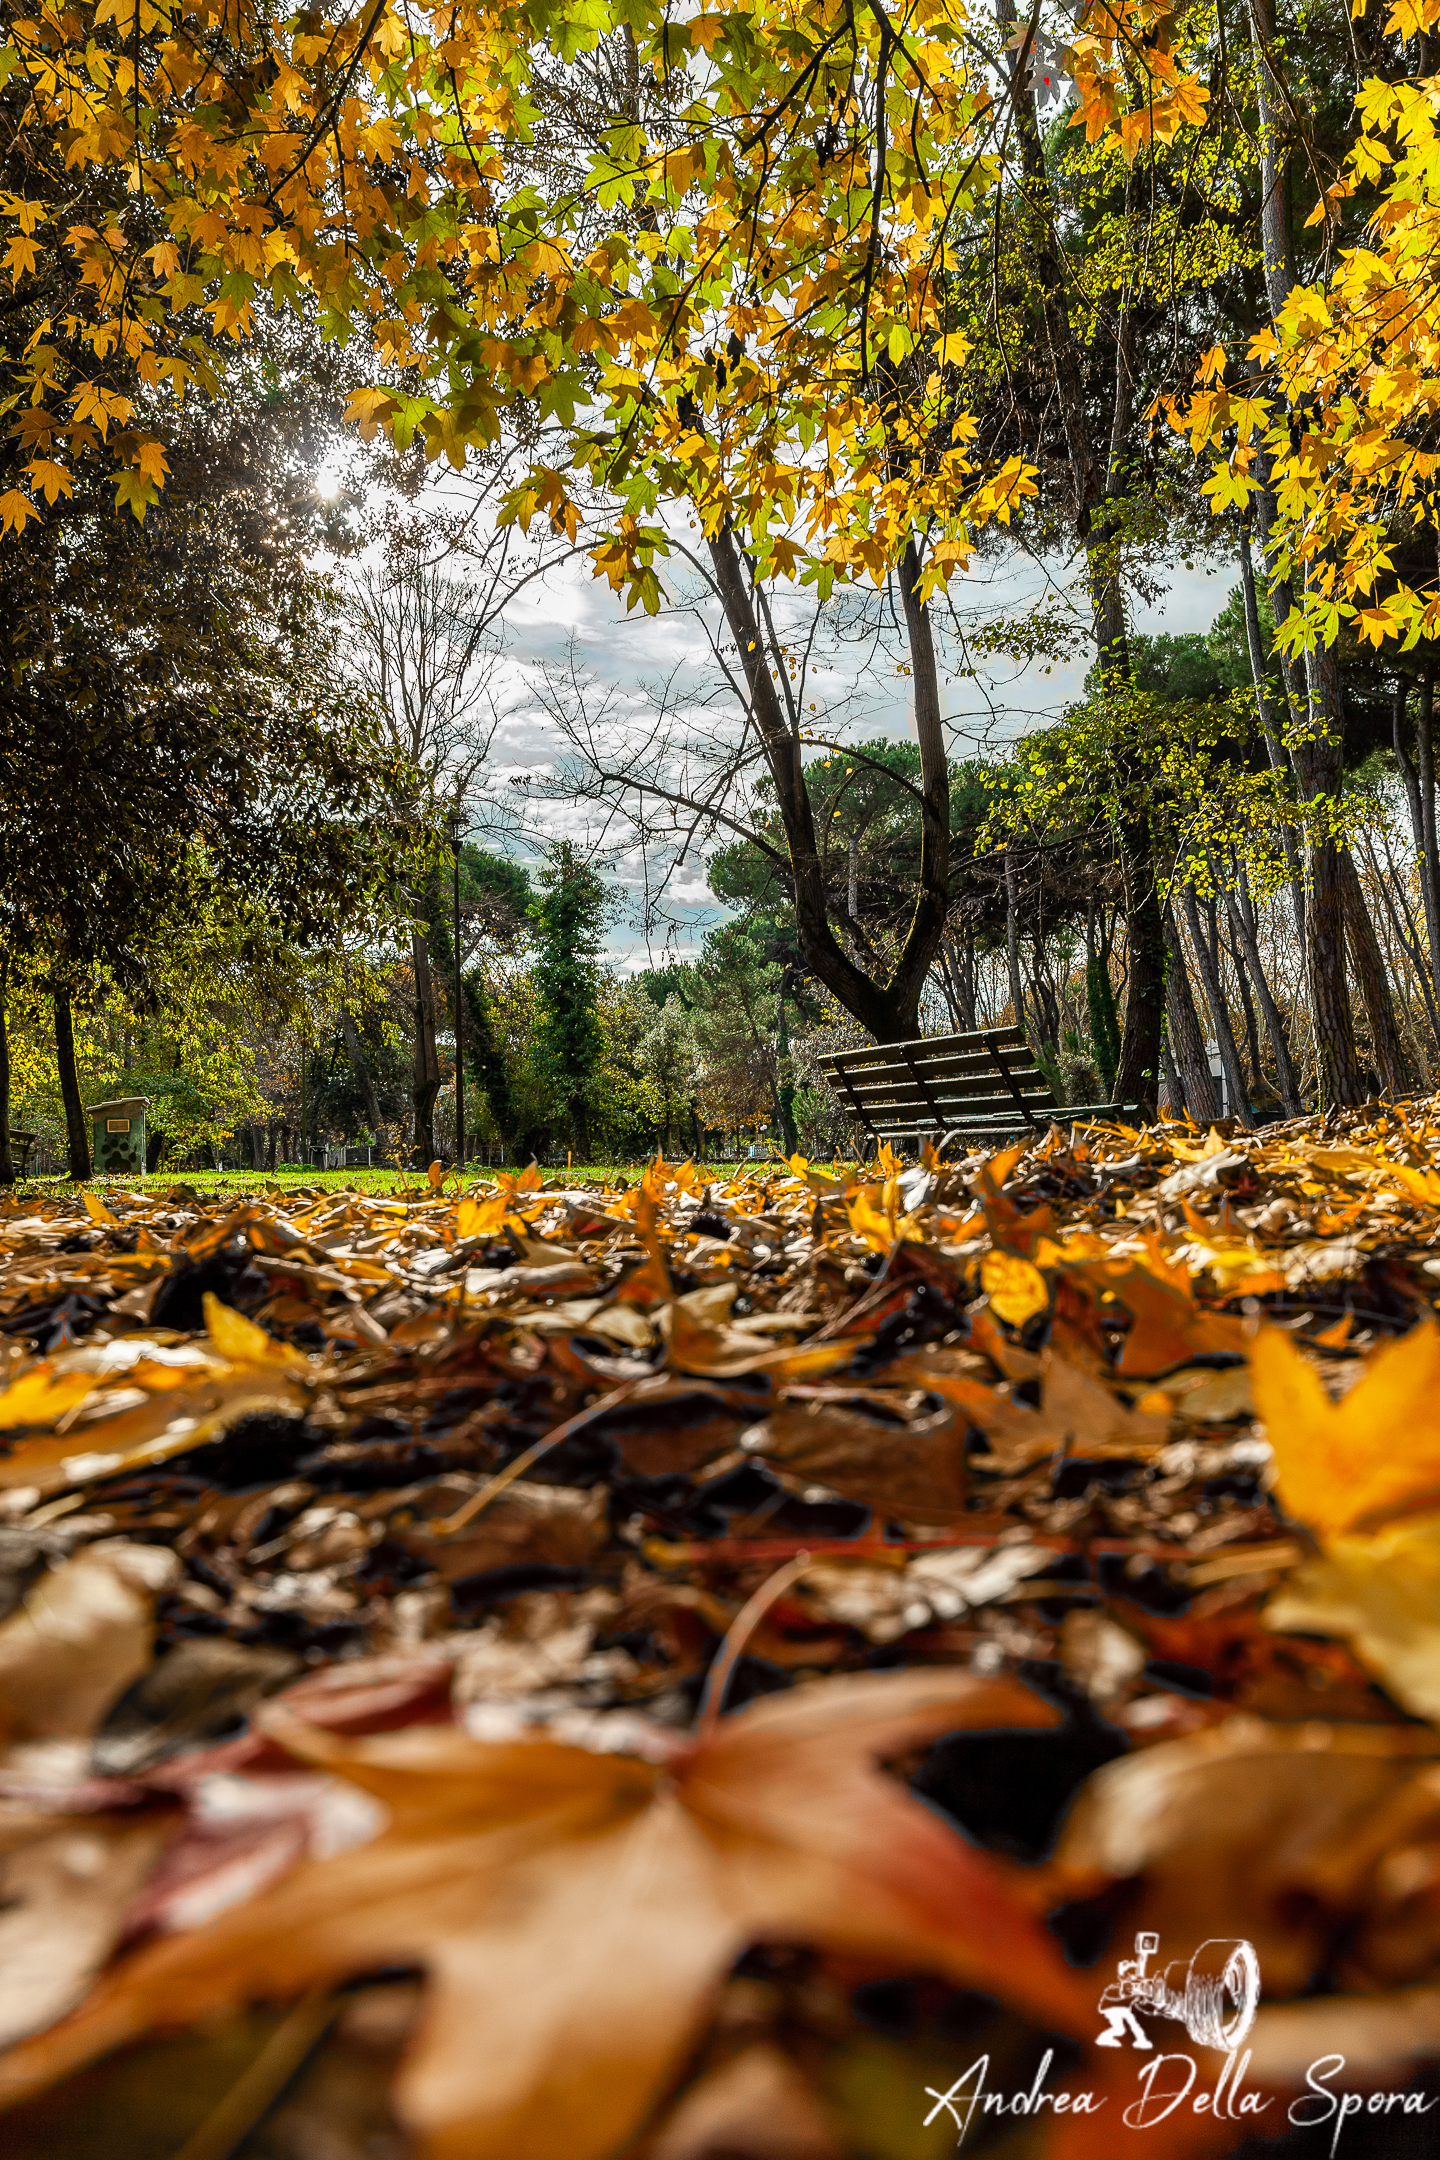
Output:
[[1016, 1288], [133, 488], [242, 1342], [51, 479], [371, 409], [1376, 624], [15, 508], [1359, 1462], [1382, 1595]]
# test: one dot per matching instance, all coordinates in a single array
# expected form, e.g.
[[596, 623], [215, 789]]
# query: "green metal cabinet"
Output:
[[119, 1129]]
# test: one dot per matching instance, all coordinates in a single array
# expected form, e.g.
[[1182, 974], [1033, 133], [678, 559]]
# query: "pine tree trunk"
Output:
[[1279, 762], [1274, 1024], [7, 1164], [426, 1084], [1337, 1073], [1219, 1011], [890, 1011], [1247, 1006], [1374, 982], [360, 1065], [1422, 830], [1336, 1077], [1184, 1030], [1174, 1101], [1429, 861], [79, 1138], [1012, 939]]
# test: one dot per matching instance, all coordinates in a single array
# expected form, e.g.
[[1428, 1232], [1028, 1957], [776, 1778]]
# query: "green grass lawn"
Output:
[[369, 1181]]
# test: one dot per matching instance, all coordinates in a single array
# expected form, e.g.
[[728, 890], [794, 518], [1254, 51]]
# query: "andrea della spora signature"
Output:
[[1214, 1994]]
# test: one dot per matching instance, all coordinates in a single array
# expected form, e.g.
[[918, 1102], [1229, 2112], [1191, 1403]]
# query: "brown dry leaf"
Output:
[[1246, 1830], [575, 1911], [1088, 1419], [914, 1470], [82, 1635], [63, 1899], [556, 1523], [756, 2106], [1169, 1328]]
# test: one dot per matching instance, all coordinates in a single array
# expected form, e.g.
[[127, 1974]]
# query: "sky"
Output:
[[573, 619]]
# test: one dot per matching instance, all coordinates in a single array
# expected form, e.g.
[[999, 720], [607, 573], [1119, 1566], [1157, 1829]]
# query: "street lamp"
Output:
[[459, 1010]]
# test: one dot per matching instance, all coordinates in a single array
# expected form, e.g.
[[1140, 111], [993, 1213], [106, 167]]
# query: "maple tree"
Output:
[[750, 320]]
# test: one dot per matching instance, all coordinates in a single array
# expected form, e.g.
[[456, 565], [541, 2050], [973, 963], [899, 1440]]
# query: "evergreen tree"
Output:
[[569, 917]]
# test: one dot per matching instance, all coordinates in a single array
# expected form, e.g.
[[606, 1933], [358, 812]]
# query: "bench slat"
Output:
[[936, 1073], [975, 1039], [958, 1050], [902, 1089], [1004, 1119], [913, 1114]]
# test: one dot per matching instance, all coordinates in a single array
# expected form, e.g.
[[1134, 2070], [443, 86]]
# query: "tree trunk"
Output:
[[1145, 985], [1429, 861], [1219, 1011], [1279, 761], [1392, 893], [79, 1138], [1337, 1074], [1174, 1101], [958, 995], [1274, 1024], [7, 1165], [1374, 982], [1317, 765], [426, 1085], [1012, 939], [1099, 494], [1274, 204], [1247, 1005], [927, 924], [1183, 1027], [1336, 1077], [360, 1064], [1422, 828], [890, 1011]]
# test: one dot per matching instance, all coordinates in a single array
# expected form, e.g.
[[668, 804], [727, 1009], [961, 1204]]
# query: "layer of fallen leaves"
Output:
[[365, 1566]]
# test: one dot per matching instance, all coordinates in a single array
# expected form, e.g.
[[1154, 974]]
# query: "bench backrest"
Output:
[[987, 1077]]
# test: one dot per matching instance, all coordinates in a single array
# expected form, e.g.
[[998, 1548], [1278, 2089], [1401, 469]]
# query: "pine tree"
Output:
[[569, 918]]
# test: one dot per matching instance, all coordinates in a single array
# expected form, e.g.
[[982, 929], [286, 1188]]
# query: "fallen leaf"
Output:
[[911, 1469], [64, 1895], [1015, 1287], [756, 2106], [1381, 1593], [80, 1638], [1245, 1831], [576, 1911], [1354, 1463]]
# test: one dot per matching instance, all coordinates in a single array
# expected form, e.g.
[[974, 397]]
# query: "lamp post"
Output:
[[459, 1010]]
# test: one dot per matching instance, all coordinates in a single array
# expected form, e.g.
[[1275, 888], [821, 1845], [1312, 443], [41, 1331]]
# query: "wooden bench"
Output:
[[979, 1087]]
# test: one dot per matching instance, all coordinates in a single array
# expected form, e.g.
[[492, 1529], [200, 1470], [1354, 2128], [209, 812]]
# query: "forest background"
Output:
[[812, 330]]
